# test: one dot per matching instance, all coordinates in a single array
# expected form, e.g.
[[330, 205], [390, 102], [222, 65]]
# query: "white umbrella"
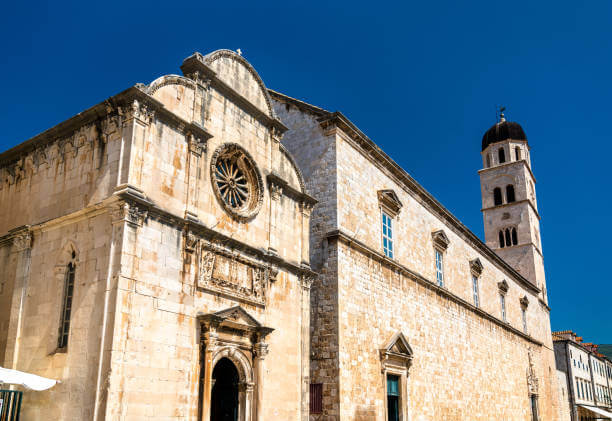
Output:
[[29, 381]]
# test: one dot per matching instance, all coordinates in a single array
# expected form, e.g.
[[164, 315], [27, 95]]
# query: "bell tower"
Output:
[[509, 206]]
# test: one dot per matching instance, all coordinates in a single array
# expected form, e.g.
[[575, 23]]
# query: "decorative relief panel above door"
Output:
[[233, 275]]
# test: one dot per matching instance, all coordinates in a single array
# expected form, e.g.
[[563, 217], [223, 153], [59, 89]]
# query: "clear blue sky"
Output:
[[421, 79]]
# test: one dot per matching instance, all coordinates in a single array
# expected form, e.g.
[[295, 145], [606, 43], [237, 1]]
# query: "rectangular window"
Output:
[[439, 268], [524, 313], [66, 308], [316, 398], [387, 230], [392, 398], [475, 291], [502, 301]]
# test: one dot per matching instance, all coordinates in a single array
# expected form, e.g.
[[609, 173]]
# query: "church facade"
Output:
[[203, 248]]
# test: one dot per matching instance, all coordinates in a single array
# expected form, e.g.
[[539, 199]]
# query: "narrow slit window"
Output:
[[66, 307], [387, 235], [514, 237], [501, 239], [488, 160], [502, 155], [524, 315], [508, 239], [517, 153], [393, 398], [439, 267]]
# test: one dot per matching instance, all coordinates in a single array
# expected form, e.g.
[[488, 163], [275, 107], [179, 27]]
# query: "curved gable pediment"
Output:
[[234, 71]]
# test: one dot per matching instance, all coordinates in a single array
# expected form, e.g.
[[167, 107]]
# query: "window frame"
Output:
[[387, 238], [476, 291], [66, 305], [439, 266], [502, 303]]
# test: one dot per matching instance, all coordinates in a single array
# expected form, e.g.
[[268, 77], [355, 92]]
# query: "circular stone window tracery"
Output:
[[236, 181]]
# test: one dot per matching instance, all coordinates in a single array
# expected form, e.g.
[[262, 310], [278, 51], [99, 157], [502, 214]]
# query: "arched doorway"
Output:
[[224, 395]]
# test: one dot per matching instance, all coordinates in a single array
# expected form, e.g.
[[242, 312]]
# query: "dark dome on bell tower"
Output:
[[503, 130]]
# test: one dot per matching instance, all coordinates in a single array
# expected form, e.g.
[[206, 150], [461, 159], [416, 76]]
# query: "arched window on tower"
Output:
[[514, 237], [517, 153], [497, 196], [488, 160], [510, 193], [501, 239], [502, 155], [508, 239]]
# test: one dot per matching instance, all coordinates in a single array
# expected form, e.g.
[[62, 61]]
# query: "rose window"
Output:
[[236, 181], [232, 183]]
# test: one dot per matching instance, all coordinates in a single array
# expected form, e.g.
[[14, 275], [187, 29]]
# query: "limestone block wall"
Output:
[[7, 277], [359, 215], [77, 169], [464, 366], [314, 150], [372, 297], [32, 344], [156, 347]]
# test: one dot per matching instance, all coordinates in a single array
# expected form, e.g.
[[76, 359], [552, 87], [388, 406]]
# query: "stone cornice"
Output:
[[507, 164], [111, 106], [194, 65], [291, 191], [358, 245], [156, 211]]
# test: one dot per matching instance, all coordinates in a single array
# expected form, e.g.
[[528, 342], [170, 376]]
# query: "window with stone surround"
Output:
[[476, 270], [440, 243], [64, 328], [524, 304], [501, 155], [390, 207], [396, 359], [502, 302]]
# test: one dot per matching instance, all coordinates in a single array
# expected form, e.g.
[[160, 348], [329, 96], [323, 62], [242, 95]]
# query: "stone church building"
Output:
[[203, 248]]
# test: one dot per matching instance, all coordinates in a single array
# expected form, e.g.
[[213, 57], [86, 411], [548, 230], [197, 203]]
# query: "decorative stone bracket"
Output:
[[440, 240], [390, 202]]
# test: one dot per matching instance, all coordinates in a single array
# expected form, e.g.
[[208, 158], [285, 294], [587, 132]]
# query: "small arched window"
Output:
[[514, 237], [488, 160], [497, 196], [517, 153], [502, 155], [64, 328], [508, 239], [501, 239], [510, 193]]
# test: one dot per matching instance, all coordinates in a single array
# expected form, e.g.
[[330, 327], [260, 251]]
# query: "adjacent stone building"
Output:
[[588, 374], [413, 317], [204, 248]]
